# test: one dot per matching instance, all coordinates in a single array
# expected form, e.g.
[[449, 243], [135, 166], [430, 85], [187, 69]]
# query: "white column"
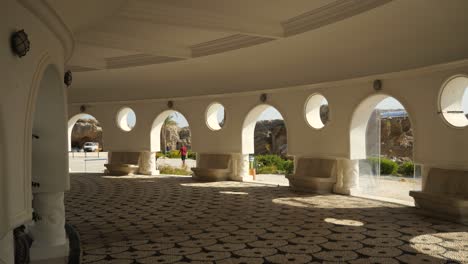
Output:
[[424, 172], [7, 250], [50, 241], [147, 163], [244, 167], [347, 176]]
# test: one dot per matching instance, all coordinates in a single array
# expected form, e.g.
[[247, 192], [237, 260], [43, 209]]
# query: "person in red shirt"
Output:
[[183, 154]]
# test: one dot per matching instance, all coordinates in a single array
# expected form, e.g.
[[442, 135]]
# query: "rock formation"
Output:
[[396, 137], [270, 137], [86, 130], [175, 137]]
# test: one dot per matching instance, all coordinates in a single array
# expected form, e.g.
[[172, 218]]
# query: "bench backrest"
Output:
[[123, 157], [450, 182], [214, 161], [315, 167]]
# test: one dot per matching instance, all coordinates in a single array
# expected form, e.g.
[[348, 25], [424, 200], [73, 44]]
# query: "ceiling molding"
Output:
[[137, 60], [225, 44], [76, 68], [328, 14], [129, 43], [164, 14], [48, 16]]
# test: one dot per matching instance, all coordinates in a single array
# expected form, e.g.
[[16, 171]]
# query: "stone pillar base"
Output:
[[347, 177], [147, 163], [49, 254], [50, 242], [7, 250]]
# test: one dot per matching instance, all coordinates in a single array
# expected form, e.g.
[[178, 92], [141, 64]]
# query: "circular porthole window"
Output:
[[126, 119], [454, 101], [215, 116], [317, 111]]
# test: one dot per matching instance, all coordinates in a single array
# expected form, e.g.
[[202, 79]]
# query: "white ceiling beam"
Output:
[[87, 62], [163, 14], [129, 43]]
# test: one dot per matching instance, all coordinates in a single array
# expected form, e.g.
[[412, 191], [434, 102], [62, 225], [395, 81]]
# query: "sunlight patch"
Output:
[[231, 192], [345, 222]]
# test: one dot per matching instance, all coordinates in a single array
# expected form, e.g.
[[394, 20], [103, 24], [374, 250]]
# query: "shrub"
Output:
[[388, 167], [173, 171], [174, 154], [273, 164], [406, 169], [267, 170]]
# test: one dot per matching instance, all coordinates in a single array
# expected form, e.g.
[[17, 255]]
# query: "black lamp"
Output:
[[20, 43], [263, 98], [377, 85], [68, 78], [170, 104]]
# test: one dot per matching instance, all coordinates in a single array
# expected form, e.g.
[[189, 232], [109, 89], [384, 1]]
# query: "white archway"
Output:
[[360, 119], [71, 123], [155, 135], [248, 144], [248, 128], [380, 171]]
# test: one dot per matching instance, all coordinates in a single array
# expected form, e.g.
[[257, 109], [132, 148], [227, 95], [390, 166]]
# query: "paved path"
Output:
[[168, 219]]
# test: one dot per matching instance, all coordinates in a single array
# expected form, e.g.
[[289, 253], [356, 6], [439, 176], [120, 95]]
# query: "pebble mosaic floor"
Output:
[[170, 219]]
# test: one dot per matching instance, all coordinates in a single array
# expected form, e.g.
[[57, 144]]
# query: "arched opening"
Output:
[[85, 144], [382, 139], [170, 139], [264, 146]]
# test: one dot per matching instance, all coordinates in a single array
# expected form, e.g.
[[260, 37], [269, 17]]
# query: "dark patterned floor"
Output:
[[161, 219]]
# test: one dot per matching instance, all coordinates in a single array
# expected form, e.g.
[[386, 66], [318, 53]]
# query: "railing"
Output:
[[86, 157]]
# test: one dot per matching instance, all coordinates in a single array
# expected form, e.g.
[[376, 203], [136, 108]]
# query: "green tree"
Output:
[[169, 121]]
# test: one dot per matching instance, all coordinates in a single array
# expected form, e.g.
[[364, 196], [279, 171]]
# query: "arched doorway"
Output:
[[170, 132], [85, 144], [382, 139], [264, 146]]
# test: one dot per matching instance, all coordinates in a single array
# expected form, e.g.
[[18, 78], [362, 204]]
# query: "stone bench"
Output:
[[122, 163], [213, 167], [313, 175], [444, 195]]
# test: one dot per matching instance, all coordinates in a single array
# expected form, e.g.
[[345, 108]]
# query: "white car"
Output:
[[91, 146]]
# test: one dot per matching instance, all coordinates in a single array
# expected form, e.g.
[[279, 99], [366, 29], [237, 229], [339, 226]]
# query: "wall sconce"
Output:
[[377, 85], [68, 78], [170, 104], [20, 43], [263, 97]]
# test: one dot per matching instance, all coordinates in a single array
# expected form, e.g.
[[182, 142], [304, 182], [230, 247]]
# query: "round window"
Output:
[[454, 101], [126, 119], [215, 116], [317, 111]]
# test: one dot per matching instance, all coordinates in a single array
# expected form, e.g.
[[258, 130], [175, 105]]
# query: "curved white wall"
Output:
[[417, 90], [20, 81]]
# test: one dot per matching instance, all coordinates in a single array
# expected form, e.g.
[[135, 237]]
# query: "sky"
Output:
[[271, 112]]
